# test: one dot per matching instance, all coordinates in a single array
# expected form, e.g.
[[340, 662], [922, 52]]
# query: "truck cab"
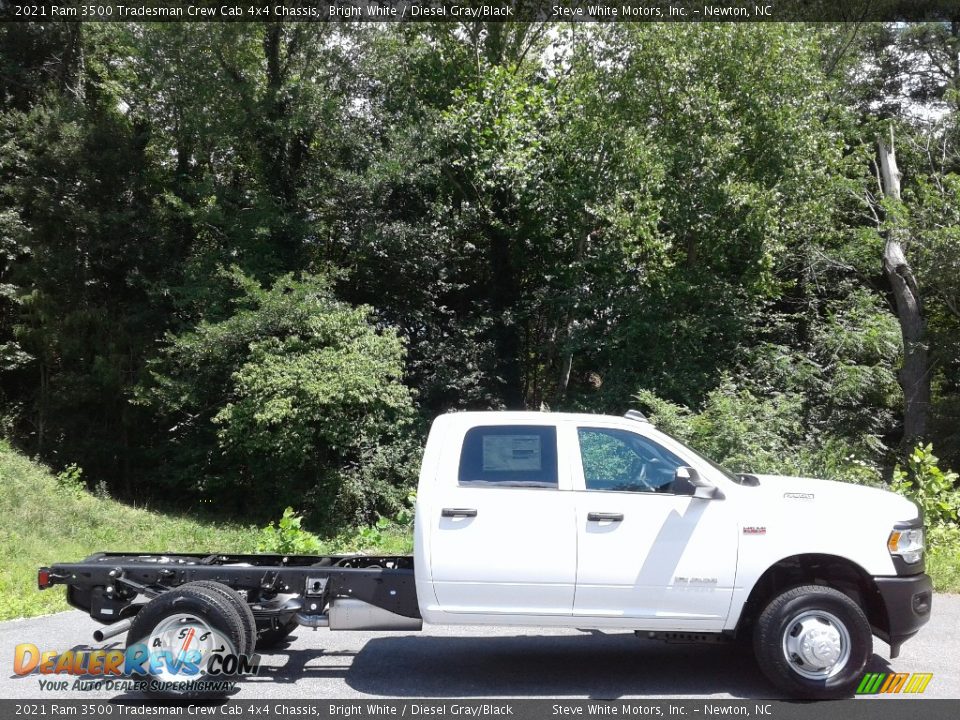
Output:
[[605, 522]]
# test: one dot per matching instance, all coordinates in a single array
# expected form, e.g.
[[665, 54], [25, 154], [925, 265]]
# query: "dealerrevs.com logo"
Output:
[[179, 657]]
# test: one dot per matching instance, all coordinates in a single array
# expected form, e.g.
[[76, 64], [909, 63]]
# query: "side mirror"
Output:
[[687, 481], [683, 481]]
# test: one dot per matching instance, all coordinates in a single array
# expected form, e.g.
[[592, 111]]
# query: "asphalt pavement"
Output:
[[448, 662]]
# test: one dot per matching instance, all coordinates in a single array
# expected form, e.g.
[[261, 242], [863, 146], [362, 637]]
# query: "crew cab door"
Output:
[[643, 551], [503, 539]]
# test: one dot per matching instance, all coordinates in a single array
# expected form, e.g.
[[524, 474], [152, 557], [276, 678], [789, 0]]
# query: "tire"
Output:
[[158, 619], [275, 636], [238, 604], [813, 642]]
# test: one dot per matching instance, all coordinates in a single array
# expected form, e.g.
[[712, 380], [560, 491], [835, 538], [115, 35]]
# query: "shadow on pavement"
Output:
[[596, 666], [592, 664]]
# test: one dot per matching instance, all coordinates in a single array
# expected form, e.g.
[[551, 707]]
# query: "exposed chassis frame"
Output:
[[106, 584]]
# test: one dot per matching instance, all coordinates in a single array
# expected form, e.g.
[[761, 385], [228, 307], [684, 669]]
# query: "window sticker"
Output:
[[516, 453]]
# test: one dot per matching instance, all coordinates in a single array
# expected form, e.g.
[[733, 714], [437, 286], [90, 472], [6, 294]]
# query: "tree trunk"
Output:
[[914, 376], [42, 407], [505, 295], [566, 364], [70, 72], [955, 48]]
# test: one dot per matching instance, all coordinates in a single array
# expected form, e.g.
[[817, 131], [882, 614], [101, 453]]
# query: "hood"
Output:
[[799, 494]]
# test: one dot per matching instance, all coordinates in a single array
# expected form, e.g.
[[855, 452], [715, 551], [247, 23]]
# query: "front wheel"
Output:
[[813, 642]]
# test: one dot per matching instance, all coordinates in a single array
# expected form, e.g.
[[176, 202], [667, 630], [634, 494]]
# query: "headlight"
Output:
[[907, 543]]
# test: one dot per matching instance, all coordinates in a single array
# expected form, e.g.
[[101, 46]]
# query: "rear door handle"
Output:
[[458, 512], [599, 516]]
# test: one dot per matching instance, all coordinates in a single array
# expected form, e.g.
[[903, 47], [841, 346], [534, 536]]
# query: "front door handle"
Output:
[[458, 512], [599, 516]]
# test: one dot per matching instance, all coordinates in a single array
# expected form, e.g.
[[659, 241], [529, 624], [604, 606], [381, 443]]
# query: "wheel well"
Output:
[[815, 569]]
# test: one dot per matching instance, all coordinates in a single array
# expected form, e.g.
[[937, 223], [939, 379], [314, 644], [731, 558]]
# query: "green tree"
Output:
[[77, 184], [280, 399]]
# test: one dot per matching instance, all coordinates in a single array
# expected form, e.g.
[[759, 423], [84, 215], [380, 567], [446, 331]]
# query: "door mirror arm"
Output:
[[687, 481], [711, 492]]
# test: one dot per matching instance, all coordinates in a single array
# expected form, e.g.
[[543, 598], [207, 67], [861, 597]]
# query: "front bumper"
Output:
[[906, 602]]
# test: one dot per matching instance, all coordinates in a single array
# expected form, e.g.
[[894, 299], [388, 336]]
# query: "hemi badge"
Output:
[[754, 530], [798, 496]]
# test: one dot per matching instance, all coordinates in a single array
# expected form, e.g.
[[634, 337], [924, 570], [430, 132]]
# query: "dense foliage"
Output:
[[247, 263], [283, 398]]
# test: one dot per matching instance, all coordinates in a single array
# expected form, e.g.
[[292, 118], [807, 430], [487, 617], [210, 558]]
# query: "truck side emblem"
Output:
[[695, 581], [754, 530], [798, 496]]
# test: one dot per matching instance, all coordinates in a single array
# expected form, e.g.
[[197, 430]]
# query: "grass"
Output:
[[43, 521], [943, 565], [391, 540]]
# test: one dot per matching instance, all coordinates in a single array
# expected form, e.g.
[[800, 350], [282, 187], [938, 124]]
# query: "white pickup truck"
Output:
[[580, 521]]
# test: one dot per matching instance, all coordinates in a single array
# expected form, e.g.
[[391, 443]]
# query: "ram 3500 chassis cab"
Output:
[[580, 521]]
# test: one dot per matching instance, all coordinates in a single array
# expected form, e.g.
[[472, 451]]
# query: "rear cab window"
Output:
[[509, 456]]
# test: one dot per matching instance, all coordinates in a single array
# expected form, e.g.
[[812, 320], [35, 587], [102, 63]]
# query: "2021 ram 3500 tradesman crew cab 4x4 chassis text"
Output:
[[579, 521]]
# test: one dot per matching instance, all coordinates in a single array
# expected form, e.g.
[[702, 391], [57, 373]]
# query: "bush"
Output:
[[378, 483], [293, 394], [388, 536], [391, 535], [70, 479], [287, 537], [747, 432], [934, 490]]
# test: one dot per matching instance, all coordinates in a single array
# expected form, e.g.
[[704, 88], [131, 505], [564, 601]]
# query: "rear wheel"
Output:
[[179, 631], [813, 642], [243, 610]]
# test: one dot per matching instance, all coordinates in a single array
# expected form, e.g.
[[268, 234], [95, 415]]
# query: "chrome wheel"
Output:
[[185, 639], [816, 644]]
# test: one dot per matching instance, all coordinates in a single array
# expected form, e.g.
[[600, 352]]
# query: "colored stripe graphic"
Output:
[[918, 683], [892, 683], [870, 683]]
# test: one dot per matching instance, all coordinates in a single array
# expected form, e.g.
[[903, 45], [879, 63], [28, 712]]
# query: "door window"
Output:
[[509, 455], [622, 461]]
